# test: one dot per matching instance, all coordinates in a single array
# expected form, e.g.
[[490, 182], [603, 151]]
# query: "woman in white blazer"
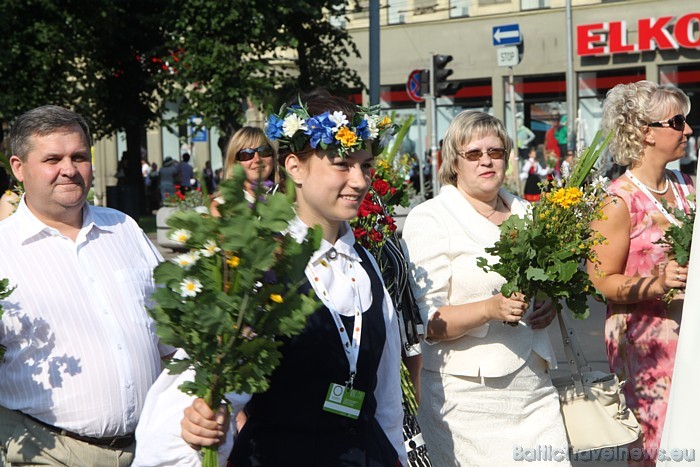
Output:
[[487, 397]]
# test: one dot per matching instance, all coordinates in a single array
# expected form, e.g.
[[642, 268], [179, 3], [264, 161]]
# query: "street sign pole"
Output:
[[514, 123], [420, 154], [433, 130]]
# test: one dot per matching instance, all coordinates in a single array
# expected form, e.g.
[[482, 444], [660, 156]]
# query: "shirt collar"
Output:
[[30, 225], [345, 245]]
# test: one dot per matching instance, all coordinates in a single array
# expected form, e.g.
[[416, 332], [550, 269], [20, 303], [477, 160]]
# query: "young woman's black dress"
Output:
[[287, 425]]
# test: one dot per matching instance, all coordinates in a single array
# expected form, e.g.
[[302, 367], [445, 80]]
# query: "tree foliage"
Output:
[[258, 51], [118, 62]]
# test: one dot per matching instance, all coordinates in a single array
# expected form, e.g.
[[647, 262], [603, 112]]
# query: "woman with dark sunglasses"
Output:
[[250, 148], [641, 329]]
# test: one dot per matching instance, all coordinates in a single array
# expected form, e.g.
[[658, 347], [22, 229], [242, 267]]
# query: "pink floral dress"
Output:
[[641, 338]]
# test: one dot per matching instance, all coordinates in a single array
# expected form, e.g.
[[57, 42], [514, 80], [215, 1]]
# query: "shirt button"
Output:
[[119, 346], [104, 310]]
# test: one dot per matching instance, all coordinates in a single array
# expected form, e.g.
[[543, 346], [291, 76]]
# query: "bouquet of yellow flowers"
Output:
[[231, 299], [542, 254]]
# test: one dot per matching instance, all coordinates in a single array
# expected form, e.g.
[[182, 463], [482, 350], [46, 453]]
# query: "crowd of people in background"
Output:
[[82, 351]]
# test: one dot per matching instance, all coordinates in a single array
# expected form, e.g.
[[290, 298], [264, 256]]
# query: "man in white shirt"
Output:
[[81, 350]]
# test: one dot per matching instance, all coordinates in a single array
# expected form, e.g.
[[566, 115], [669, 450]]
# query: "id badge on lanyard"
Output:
[[343, 399]]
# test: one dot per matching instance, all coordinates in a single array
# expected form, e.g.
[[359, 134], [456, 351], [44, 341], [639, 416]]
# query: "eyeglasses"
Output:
[[475, 154], [247, 154], [676, 122]]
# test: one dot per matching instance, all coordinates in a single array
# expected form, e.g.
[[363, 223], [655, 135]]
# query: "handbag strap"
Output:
[[574, 353]]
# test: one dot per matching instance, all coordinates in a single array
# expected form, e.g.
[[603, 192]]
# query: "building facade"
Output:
[[612, 42]]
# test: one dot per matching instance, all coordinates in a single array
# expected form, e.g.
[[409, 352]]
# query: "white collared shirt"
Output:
[[389, 411], [81, 348]]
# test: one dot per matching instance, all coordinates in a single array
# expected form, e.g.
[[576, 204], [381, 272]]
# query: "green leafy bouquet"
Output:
[[229, 298], [541, 255], [679, 239], [5, 291]]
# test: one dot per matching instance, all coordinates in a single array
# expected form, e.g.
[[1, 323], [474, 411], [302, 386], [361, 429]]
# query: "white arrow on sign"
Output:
[[500, 35]]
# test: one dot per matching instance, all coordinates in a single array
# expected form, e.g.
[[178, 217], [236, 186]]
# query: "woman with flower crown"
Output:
[[485, 385], [641, 330], [335, 398]]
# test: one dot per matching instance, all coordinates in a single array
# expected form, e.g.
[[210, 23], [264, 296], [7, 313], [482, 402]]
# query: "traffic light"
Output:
[[440, 85]]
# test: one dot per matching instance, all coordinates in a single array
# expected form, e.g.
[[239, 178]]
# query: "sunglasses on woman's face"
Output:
[[676, 122], [247, 154], [475, 154]]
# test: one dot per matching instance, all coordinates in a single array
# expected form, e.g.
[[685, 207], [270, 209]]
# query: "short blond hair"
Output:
[[246, 137], [628, 108], [466, 126]]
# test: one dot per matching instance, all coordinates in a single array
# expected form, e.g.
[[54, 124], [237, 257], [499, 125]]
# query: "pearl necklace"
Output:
[[658, 192]]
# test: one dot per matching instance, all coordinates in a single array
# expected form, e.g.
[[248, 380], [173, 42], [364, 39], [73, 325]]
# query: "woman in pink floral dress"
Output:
[[634, 273]]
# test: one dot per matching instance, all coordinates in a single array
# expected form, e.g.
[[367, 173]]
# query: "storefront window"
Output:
[[687, 78], [592, 88], [540, 103]]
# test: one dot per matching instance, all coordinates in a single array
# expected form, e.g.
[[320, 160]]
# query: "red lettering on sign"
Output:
[[684, 31], [618, 38], [587, 38], [654, 30], [604, 38]]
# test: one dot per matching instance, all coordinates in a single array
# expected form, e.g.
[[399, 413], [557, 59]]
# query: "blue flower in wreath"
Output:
[[273, 129], [362, 130], [320, 129]]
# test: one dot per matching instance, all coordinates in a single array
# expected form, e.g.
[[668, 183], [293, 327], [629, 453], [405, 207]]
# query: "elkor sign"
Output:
[[652, 33]]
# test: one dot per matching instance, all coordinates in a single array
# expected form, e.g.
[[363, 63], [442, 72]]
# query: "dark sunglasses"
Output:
[[676, 122], [475, 154], [247, 154]]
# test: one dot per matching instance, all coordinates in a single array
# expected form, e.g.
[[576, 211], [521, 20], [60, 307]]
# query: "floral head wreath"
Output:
[[294, 128]]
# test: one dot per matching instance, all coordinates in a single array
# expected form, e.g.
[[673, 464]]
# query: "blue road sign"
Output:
[[507, 34]]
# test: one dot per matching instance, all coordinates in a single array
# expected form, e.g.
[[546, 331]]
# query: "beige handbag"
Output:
[[592, 404]]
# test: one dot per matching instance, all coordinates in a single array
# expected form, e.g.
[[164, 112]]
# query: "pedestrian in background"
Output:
[[634, 273], [485, 385], [81, 349], [169, 176], [187, 181], [534, 171]]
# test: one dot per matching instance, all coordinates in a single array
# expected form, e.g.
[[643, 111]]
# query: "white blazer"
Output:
[[443, 239]]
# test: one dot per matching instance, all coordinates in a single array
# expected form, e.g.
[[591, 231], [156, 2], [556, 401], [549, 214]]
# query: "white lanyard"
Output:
[[352, 349], [659, 206]]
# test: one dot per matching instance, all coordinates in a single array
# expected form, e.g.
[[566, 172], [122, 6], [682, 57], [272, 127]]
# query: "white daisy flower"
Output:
[[210, 249], [372, 125], [190, 287], [292, 124], [339, 119], [180, 236], [600, 183], [186, 260]]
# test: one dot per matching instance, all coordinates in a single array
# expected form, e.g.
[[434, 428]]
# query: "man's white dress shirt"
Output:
[[81, 348]]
